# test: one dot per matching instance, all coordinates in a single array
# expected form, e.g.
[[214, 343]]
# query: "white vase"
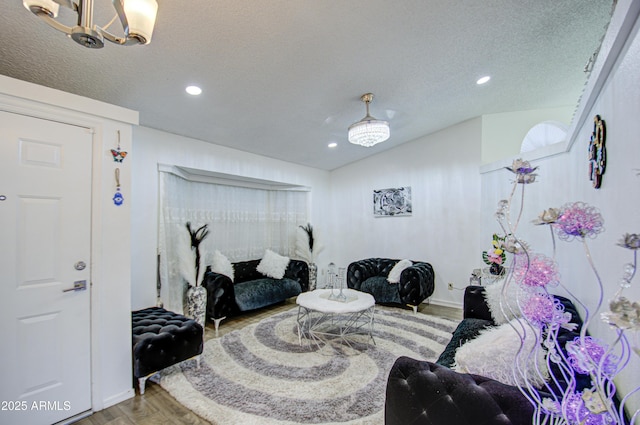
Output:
[[313, 276], [197, 304]]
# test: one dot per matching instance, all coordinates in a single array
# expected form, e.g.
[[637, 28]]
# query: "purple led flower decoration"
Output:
[[523, 170], [539, 271], [586, 353], [623, 314], [547, 216], [541, 308], [513, 245], [550, 406], [578, 220], [630, 241], [582, 409]]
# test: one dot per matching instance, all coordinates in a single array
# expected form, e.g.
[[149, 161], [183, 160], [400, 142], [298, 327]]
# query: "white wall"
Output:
[[502, 134], [152, 147], [564, 178], [442, 170]]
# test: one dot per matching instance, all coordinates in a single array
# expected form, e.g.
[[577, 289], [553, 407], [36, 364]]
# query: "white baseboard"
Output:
[[75, 418], [445, 303], [115, 399]]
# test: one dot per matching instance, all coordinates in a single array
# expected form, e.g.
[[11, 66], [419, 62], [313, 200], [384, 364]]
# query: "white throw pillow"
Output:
[[222, 265], [492, 294], [273, 265], [396, 271], [493, 354]]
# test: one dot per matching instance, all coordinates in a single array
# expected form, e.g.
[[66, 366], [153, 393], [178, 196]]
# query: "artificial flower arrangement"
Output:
[[495, 257], [534, 274]]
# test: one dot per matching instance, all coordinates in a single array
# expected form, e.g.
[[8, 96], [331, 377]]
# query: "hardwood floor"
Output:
[[157, 407]]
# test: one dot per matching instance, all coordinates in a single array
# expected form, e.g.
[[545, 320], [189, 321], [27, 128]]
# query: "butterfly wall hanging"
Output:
[[118, 155]]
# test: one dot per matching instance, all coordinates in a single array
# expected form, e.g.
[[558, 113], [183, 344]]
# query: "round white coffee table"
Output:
[[321, 318]]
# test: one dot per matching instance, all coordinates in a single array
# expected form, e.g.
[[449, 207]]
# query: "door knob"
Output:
[[80, 265]]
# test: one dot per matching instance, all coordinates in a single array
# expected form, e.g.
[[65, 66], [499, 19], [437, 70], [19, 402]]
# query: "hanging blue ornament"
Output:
[[118, 199]]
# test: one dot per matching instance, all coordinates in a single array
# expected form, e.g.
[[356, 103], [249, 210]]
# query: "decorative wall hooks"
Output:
[[597, 152], [118, 155]]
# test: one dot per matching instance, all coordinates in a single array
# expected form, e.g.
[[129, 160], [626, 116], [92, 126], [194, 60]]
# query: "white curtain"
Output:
[[242, 223]]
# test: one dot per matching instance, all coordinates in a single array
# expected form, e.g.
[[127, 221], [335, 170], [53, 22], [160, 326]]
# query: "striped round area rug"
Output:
[[260, 374]]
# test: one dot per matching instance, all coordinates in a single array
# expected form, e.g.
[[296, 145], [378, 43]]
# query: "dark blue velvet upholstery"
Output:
[[381, 289], [260, 293]]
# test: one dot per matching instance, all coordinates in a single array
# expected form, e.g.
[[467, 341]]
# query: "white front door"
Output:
[[45, 235]]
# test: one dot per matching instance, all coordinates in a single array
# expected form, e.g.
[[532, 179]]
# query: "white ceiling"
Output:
[[283, 78]]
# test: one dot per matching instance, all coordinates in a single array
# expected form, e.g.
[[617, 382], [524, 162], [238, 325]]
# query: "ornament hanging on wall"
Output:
[[597, 152], [118, 155], [118, 199]]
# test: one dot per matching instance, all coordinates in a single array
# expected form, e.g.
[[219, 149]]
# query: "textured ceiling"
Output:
[[283, 78]]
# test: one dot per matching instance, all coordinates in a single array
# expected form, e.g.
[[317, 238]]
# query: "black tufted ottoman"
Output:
[[161, 339]]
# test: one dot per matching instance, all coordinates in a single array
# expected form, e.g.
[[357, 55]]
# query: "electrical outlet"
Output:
[[450, 286]]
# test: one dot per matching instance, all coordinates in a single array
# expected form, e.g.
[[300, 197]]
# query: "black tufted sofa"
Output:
[[426, 393], [370, 275], [251, 289], [161, 339]]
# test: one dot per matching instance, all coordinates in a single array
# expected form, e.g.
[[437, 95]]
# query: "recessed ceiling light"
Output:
[[193, 90], [332, 144], [483, 80]]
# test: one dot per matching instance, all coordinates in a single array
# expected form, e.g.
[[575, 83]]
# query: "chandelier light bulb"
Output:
[[141, 15], [138, 17]]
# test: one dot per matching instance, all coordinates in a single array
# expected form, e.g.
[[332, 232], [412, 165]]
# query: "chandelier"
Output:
[[136, 16], [368, 131]]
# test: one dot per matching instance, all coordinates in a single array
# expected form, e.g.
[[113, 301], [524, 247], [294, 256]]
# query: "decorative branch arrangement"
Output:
[[307, 246], [309, 231], [584, 357], [197, 236]]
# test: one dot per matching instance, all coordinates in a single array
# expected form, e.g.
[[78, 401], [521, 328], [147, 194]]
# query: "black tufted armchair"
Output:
[[370, 275]]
